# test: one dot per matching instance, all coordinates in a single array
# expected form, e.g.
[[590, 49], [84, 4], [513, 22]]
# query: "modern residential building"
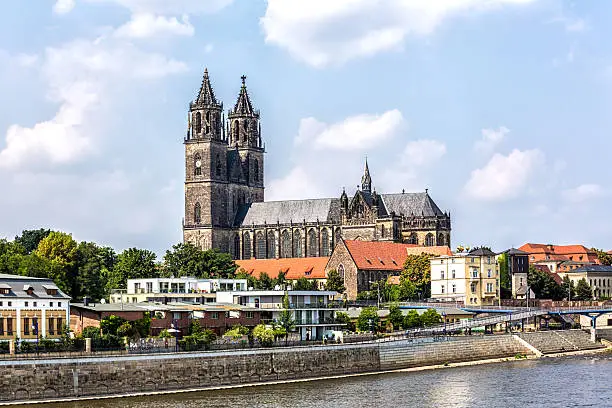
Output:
[[362, 263], [471, 278], [313, 311], [518, 268], [32, 308], [184, 289], [312, 268], [599, 277]]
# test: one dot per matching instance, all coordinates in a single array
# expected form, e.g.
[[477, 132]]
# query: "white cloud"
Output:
[[149, 25], [421, 153], [63, 6], [297, 184], [584, 192], [491, 138], [170, 7], [503, 177], [353, 133], [577, 25], [322, 32], [79, 75]]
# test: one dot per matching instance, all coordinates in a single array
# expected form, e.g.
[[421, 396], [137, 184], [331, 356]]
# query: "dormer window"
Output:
[[28, 289], [5, 289], [51, 289]]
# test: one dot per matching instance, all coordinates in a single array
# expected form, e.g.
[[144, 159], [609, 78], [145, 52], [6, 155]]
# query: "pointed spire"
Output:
[[366, 180], [243, 103], [206, 96]]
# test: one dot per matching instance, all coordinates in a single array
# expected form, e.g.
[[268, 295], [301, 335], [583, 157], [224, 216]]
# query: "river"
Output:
[[579, 381]]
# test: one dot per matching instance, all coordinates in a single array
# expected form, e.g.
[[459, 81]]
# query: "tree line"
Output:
[[86, 269]]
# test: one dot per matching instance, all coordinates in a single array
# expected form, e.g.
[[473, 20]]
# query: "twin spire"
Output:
[[206, 97]]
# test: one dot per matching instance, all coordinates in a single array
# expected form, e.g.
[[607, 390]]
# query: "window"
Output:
[[489, 287], [324, 242], [412, 239], [454, 288], [474, 273], [218, 166], [297, 244], [198, 122], [429, 240], [59, 325], [442, 275], [286, 245], [26, 326], [256, 170], [249, 315], [214, 315], [441, 240], [5, 291], [34, 304], [271, 244], [1, 303], [149, 287], [50, 326], [197, 164], [246, 246], [1, 326], [442, 289], [9, 326], [473, 288], [197, 213], [27, 304], [260, 245], [341, 271], [313, 243], [489, 273], [9, 304], [453, 274], [236, 246], [382, 231]]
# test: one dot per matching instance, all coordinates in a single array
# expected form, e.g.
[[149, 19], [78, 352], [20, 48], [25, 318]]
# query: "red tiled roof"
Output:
[[384, 256], [542, 252], [294, 268]]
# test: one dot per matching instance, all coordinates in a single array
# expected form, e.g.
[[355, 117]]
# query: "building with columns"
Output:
[[224, 196]]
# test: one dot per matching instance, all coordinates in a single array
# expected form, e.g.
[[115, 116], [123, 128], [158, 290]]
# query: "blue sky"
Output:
[[501, 108]]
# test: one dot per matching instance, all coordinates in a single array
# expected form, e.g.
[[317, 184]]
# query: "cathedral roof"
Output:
[[243, 103], [206, 96], [285, 212], [408, 204]]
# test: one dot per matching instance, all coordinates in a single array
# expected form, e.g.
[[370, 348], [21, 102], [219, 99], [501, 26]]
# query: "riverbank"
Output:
[[131, 376]]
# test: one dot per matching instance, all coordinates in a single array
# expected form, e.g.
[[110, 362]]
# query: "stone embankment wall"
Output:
[[97, 376]]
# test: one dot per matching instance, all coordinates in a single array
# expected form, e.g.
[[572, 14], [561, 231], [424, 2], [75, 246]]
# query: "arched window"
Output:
[[341, 271], [429, 240], [260, 245], [245, 130], [218, 160], [324, 242], [441, 240], [207, 130], [382, 231], [256, 169], [313, 243], [297, 244], [412, 239], [271, 245], [197, 164], [286, 245], [246, 246], [236, 131], [338, 236], [198, 122], [197, 213], [236, 246]]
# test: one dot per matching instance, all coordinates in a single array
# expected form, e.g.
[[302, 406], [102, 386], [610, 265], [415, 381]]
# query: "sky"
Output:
[[500, 108]]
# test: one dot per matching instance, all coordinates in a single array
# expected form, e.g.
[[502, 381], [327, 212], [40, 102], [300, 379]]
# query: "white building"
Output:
[[31, 308], [184, 289], [471, 278], [312, 311]]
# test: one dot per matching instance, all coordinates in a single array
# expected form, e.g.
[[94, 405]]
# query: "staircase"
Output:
[[550, 342]]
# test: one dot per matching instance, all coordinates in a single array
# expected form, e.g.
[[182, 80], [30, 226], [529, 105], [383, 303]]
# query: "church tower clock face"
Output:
[[198, 164]]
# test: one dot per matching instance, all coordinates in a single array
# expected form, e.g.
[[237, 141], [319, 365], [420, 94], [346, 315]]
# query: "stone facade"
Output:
[[99, 376], [224, 196]]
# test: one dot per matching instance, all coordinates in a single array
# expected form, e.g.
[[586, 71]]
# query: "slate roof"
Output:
[[592, 269], [17, 284], [482, 252], [294, 268], [284, 212], [416, 204], [514, 251]]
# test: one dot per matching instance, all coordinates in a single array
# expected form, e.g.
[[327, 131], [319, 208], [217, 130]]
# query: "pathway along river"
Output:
[[579, 381]]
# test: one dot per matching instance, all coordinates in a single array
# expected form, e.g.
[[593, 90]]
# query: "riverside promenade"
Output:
[[100, 376]]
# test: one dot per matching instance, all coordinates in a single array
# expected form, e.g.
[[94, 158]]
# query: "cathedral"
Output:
[[224, 196]]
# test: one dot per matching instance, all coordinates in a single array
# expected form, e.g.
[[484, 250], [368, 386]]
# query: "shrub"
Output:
[[26, 347], [237, 332], [264, 335], [91, 332], [164, 334], [47, 345], [368, 320]]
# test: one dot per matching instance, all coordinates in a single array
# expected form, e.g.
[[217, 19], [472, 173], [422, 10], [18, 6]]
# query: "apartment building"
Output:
[[472, 278], [32, 308], [169, 290], [313, 311]]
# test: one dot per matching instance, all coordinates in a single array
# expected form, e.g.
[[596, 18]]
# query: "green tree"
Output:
[[544, 285], [285, 317], [91, 272], [335, 282], [61, 251], [132, 263], [251, 280], [504, 276], [407, 289], [417, 270], [583, 290], [368, 320], [604, 257], [281, 280], [265, 282], [185, 259], [30, 239], [219, 264], [304, 284], [110, 324], [264, 335], [430, 317], [412, 319], [396, 317], [568, 288]]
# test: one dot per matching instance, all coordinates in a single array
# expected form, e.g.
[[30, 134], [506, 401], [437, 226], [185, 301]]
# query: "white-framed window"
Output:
[[442, 289], [454, 288], [474, 273], [453, 274], [441, 274], [489, 287], [489, 273]]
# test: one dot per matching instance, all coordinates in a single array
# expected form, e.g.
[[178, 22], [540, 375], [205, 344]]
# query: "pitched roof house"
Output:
[[294, 268]]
